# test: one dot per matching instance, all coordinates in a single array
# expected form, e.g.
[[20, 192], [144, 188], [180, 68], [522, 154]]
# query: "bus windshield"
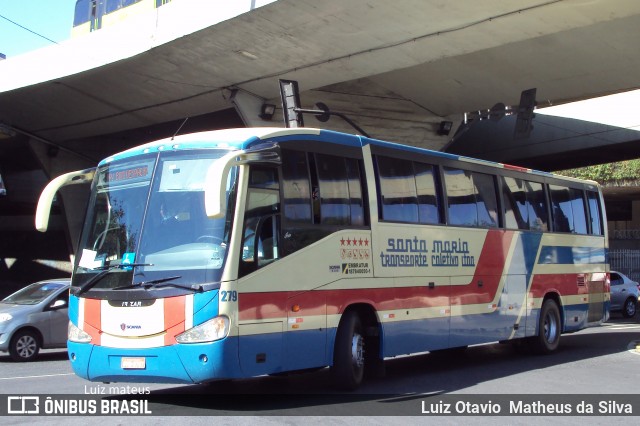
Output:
[[149, 213]]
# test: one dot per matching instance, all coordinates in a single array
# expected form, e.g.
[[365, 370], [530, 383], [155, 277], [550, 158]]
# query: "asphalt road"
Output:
[[600, 361]]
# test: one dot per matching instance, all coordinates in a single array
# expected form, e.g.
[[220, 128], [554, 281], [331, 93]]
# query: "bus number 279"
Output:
[[228, 296]]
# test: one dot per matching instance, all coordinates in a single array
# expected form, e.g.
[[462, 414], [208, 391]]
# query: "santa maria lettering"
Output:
[[405, 252], [412, 252]]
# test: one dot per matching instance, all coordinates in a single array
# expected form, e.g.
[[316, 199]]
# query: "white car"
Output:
[[33, 318], [624, 294]]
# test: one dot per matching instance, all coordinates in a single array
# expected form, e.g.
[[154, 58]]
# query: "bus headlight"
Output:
[[74, 334], [214, 329]]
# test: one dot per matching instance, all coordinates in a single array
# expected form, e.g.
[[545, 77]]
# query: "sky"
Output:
[[52, 19]]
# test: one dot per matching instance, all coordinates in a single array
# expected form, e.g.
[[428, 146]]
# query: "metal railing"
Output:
[[625, 234], [626, 261]]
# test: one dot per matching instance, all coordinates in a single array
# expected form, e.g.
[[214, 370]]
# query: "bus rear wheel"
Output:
[[549, 329], [348, 355]]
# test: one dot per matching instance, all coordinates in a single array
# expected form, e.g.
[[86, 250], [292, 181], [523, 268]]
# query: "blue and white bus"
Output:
[[243, 252]]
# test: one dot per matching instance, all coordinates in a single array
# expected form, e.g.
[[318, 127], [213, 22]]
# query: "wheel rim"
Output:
[[26, 346], [550, 328], [630, 308], [357, 350]]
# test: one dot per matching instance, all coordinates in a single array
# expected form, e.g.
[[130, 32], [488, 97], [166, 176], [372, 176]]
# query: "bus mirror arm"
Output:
[[43, 210], [215, 199], [323, 114]]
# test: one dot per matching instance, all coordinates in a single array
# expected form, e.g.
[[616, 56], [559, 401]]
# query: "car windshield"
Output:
[[33, 294], [149, 213]]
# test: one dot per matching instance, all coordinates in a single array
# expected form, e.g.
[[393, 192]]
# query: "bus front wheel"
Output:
[[348, 355], [549, 328]]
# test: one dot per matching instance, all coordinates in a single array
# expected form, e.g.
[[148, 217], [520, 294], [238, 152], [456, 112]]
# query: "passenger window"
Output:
[[398, 194], [568, 210], [471, 198], [561, 209], [594, 213], [297, 194], [428, 208], [516, 214], [579, 211], [524, 204], [334, 190], [461, 198], [355, 192], [537, 206], [486, 200]]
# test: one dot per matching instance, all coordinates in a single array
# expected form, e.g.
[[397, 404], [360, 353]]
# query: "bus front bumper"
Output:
[[179, 363]]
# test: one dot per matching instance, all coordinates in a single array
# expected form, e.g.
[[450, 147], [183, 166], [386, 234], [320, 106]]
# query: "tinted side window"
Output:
[[486, 200], [525, 204], [568, 210], [461, 198], [561, 209], [355, 192], [516, 212], [296, 188], [334, 190], [471, 197], [616, 279], [428, 209], [594, 213], [537, 206], [579, 211], [397, 190]]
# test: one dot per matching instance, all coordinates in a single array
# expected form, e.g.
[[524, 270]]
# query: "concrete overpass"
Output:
[[396, 68]]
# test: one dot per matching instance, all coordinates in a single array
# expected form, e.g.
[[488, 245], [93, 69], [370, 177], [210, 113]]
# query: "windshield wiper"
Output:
[[161, 282], [105, 270], [147, 284]]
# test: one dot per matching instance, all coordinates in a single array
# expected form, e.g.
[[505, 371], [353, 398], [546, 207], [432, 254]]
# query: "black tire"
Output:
[[629, 308], [24, 346], [348, 354], [549, 329]]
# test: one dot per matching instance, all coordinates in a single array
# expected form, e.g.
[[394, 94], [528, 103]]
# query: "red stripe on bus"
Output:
[[174, 318], [484, 284], [565, 284], [518, 168], [92, 319], [261, 305]]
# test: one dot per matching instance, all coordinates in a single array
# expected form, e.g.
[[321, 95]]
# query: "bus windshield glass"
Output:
[[149, 212]]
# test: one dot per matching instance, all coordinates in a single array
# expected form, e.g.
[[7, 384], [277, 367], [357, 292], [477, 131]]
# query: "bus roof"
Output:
[[243, 138]]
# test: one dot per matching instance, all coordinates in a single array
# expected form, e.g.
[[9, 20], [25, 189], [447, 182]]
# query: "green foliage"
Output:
[[607, 173]]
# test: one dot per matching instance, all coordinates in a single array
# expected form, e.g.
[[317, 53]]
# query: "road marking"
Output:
[[629, 326], [36, 377]]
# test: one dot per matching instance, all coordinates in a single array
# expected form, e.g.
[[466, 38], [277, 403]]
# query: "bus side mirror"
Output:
[[43, 211], [215, 185], [215, 188]]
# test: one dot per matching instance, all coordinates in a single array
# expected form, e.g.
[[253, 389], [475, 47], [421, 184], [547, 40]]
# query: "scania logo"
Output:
[[124, 327]]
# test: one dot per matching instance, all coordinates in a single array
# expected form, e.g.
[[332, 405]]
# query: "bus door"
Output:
[[261, 302]]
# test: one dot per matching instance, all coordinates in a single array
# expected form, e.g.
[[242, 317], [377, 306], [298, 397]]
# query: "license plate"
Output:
[[127, 363]]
